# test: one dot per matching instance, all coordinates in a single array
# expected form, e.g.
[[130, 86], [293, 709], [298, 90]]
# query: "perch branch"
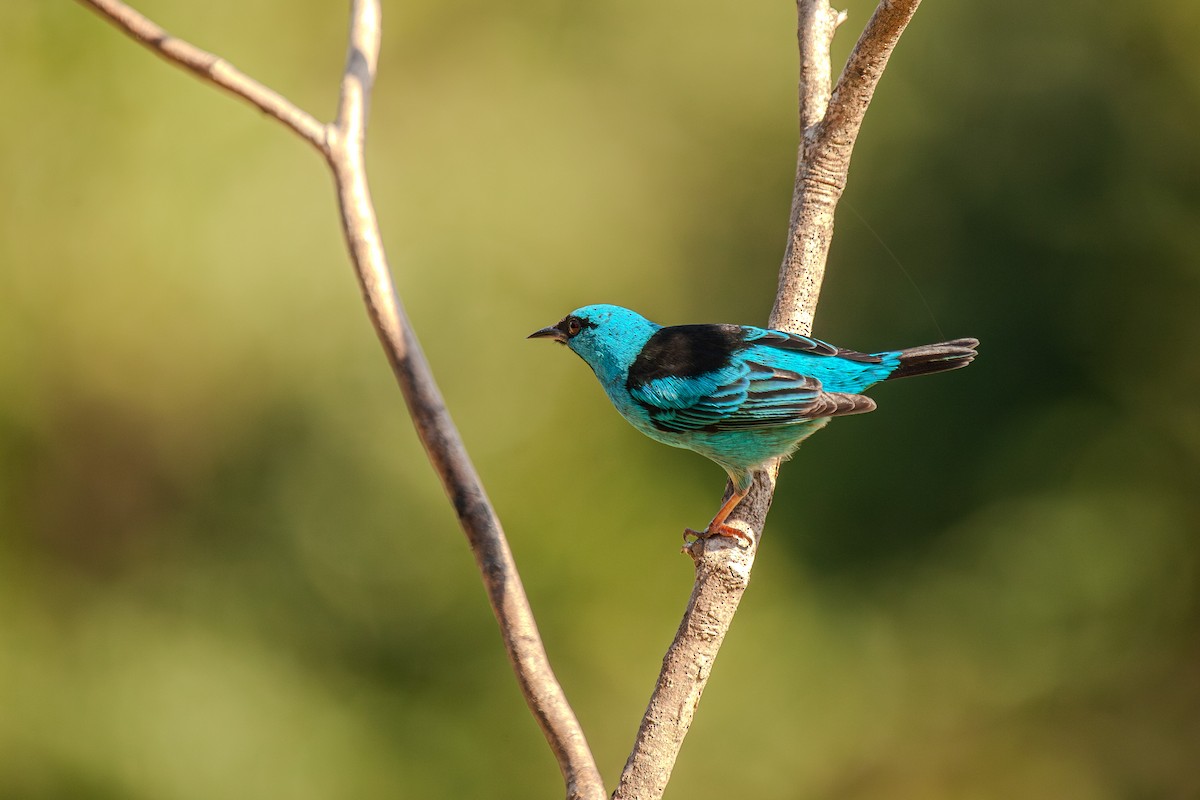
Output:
[[829, 124], [342, 143]]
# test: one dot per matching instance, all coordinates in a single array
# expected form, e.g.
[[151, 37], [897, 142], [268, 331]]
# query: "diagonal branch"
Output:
[[864, 68], [342, 143], [830, 129], [436, 429], [211, 68], [829, 124]]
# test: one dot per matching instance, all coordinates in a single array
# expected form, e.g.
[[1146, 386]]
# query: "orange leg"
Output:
[[718, 527]]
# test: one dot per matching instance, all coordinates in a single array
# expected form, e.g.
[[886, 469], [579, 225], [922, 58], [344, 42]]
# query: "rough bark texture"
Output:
[[722, 575], [829, 125]]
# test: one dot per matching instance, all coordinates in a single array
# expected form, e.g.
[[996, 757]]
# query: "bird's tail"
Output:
[[929, 358]]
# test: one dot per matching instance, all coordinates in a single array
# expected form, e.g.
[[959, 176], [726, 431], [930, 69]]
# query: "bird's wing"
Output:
[[742, 395], [839, 370]]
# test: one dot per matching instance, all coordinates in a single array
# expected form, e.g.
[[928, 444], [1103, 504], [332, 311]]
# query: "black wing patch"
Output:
[[685, 351]]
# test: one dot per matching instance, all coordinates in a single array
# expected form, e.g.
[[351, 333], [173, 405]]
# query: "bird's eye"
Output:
[[574, 326]]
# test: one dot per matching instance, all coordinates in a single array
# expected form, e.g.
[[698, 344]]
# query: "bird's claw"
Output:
[[728, 531]]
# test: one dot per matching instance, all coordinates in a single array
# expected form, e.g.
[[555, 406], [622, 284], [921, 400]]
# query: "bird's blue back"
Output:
[[737, 394]]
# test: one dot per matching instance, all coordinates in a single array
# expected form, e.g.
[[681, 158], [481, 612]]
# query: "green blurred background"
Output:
[[227, 571]]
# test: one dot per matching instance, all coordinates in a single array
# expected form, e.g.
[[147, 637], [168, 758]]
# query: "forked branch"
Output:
[[829, 125], [342, 144], [829, 129]]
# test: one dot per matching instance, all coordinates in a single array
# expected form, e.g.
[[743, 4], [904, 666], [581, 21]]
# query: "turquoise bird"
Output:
[[739, 395]]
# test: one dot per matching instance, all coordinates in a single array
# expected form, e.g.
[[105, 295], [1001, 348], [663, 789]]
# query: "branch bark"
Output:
[[342, 143], [829, 125]]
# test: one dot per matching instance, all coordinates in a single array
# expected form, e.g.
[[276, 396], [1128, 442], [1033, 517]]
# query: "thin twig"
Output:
[[816, 24], [211, 68], [828, 126], [342, 143]]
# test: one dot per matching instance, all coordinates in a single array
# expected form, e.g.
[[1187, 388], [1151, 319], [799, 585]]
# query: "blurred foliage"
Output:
[[226, 569]]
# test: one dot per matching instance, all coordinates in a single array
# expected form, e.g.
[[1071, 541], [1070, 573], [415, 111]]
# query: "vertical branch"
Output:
[[810, 225], [342, 143], [816, 24], [829, 124]]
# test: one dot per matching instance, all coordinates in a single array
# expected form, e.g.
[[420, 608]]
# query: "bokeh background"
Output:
[[226, 570]]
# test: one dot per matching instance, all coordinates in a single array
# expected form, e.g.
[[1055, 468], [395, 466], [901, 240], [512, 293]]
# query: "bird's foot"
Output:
[[728, 531]]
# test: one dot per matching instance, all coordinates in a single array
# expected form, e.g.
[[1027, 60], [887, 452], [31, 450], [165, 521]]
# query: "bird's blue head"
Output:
[[608, 338]]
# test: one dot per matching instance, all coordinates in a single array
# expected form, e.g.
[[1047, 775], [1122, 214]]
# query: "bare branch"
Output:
[[816, 24], [722, 575], [211, 68], [864, 68], [828, 125], [435, 427], [343, 143], [826, 144], [362, 60]]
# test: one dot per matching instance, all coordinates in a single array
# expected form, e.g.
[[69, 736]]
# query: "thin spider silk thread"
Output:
[[899, 264]]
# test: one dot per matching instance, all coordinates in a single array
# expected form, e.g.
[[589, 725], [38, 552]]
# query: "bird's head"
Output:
[[608, 338]]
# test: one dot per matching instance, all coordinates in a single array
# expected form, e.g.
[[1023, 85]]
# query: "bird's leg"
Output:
[[718, 527]]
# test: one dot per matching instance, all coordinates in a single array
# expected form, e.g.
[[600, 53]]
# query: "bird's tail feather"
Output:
[[929, 358]]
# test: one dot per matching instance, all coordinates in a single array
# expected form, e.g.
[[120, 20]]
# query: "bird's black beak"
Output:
[[553, 332]]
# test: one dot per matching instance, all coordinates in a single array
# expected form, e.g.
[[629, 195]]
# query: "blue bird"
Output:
[[739, 395]]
